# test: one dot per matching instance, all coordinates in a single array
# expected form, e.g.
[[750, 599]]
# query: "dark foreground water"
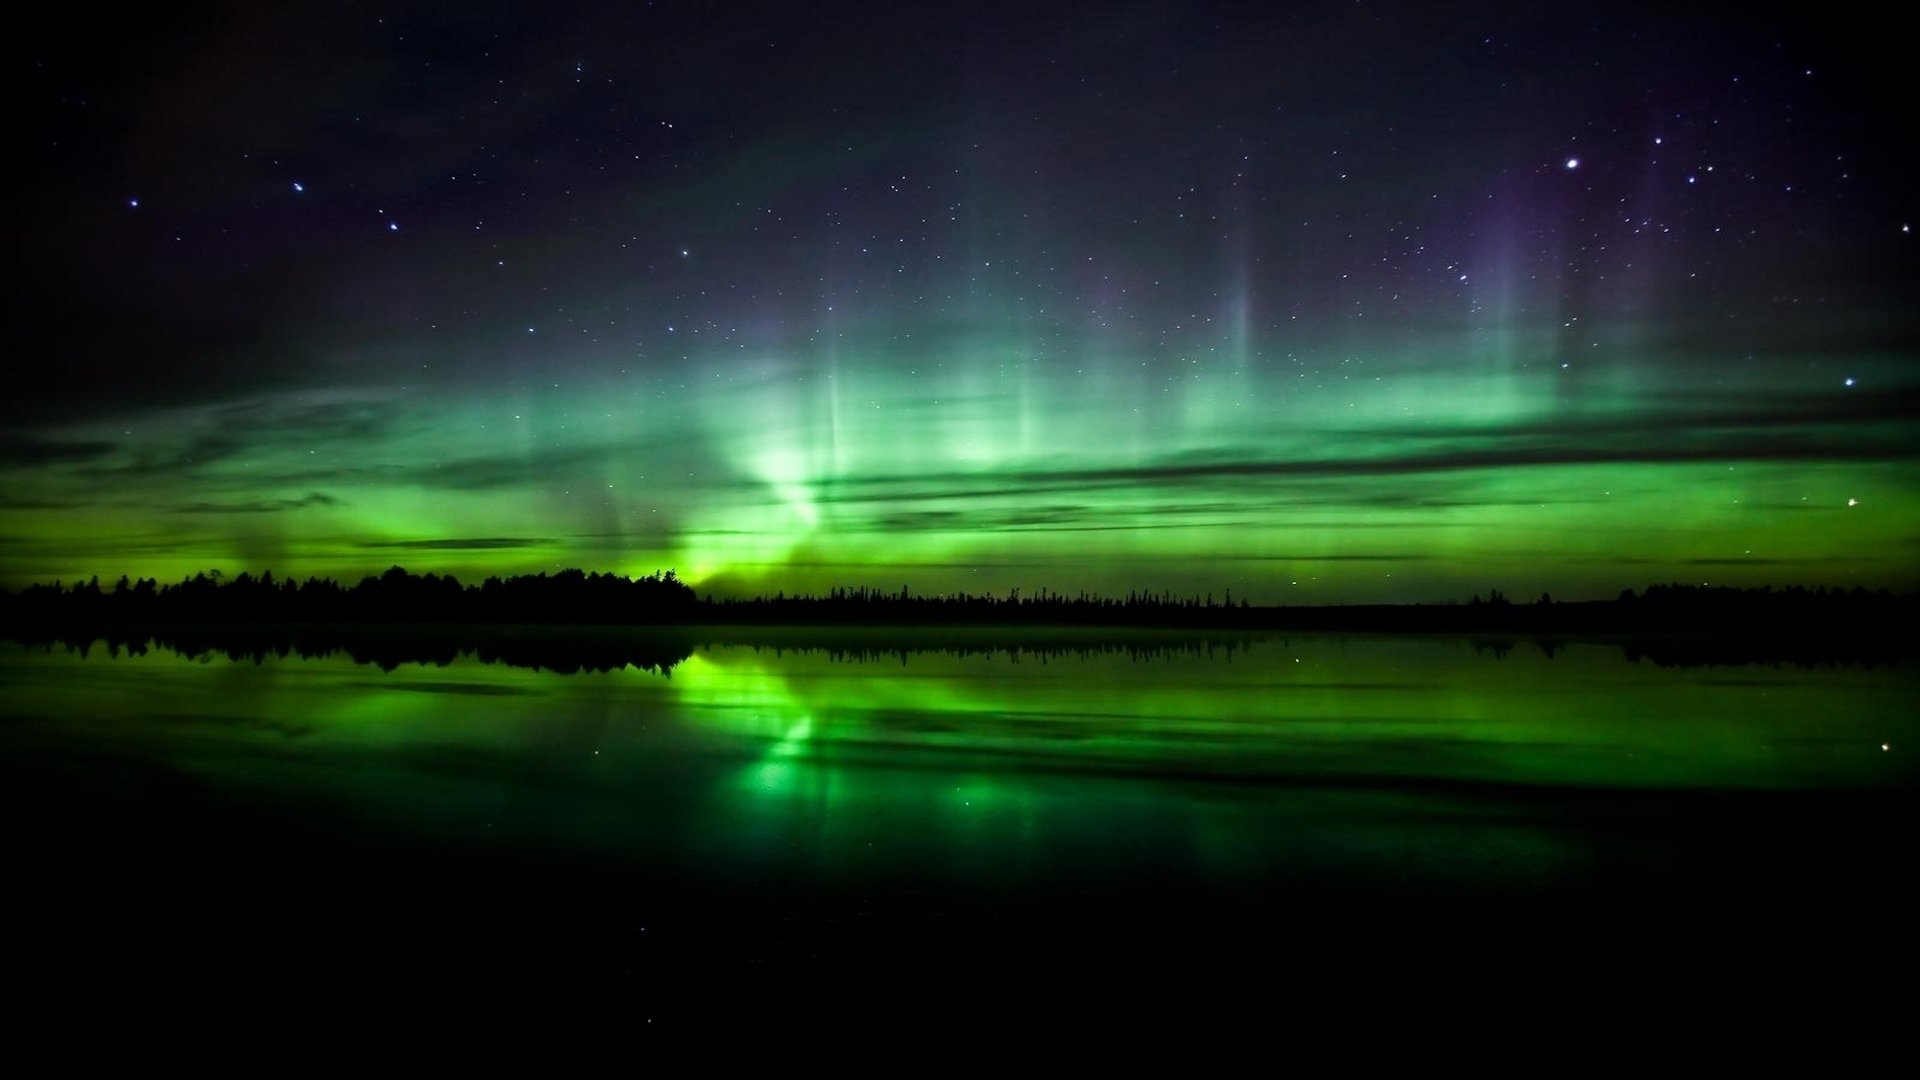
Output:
[[855, 831]]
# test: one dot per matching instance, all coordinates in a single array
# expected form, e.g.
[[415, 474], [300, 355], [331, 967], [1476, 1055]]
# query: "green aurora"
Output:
[[1318, 307], [1408, 473]]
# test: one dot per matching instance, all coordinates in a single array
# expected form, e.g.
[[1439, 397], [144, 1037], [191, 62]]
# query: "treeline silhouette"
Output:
[[578, 598], [576, 621], [575, 597], [397, 596]]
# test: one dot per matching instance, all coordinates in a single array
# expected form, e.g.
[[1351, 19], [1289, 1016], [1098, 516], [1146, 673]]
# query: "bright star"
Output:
[[1849, 380], [1853, 502], [393, 226], [1573, 163], [136, 203], [298, 186]]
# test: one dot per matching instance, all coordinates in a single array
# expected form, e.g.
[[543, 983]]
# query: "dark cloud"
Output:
[[323, 421], [536, 467], [448, 686], [1075, 517], [1747, 560], [14, 502], [1691, 414], [95, 545], [239, 429], [28, 451], [97, 355], [1499, 454], [466, 543], [922, 520], [1326, 558], [194, 454], [262, 506]]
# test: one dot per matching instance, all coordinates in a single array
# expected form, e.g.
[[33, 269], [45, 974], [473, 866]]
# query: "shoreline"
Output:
[[605, 646]]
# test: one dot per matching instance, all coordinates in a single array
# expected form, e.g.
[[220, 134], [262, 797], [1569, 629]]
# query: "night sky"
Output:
[[1313, 302]]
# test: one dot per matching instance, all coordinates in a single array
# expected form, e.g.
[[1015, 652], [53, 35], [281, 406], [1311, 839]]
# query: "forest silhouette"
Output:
[[575, 621], [577, 597]]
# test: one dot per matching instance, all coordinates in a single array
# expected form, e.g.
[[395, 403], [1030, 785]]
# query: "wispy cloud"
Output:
[[462, 543], [1498, 454], [262, 506], [28, 451], [15, 502], [252, 429]]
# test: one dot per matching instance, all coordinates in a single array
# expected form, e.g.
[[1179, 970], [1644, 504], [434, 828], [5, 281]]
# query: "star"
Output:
[[298, 187], [1573, 163]]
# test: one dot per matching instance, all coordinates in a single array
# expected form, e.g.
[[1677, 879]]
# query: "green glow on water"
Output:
[[1313, 759], [1264, 709], [1372, 708]]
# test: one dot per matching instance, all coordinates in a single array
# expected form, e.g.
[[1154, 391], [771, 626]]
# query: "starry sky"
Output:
[[1317, 302]]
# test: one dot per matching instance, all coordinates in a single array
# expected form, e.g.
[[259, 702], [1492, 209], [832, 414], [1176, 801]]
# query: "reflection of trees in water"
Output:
[[898, 645], [1686, 650], [569, 650], [565, 651]]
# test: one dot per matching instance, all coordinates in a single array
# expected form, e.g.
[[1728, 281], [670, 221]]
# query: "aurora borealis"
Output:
[[1321, 303]]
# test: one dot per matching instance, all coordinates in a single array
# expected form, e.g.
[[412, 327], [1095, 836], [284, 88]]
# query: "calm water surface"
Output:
[[780, 809]]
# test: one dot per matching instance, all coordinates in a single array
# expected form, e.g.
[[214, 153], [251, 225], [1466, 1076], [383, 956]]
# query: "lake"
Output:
[[900, 812]]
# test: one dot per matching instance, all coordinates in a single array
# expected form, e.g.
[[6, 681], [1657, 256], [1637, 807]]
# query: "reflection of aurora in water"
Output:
[[782, 789], [1332, 747], [1153, 705], [985, 760], [1298, 709]]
